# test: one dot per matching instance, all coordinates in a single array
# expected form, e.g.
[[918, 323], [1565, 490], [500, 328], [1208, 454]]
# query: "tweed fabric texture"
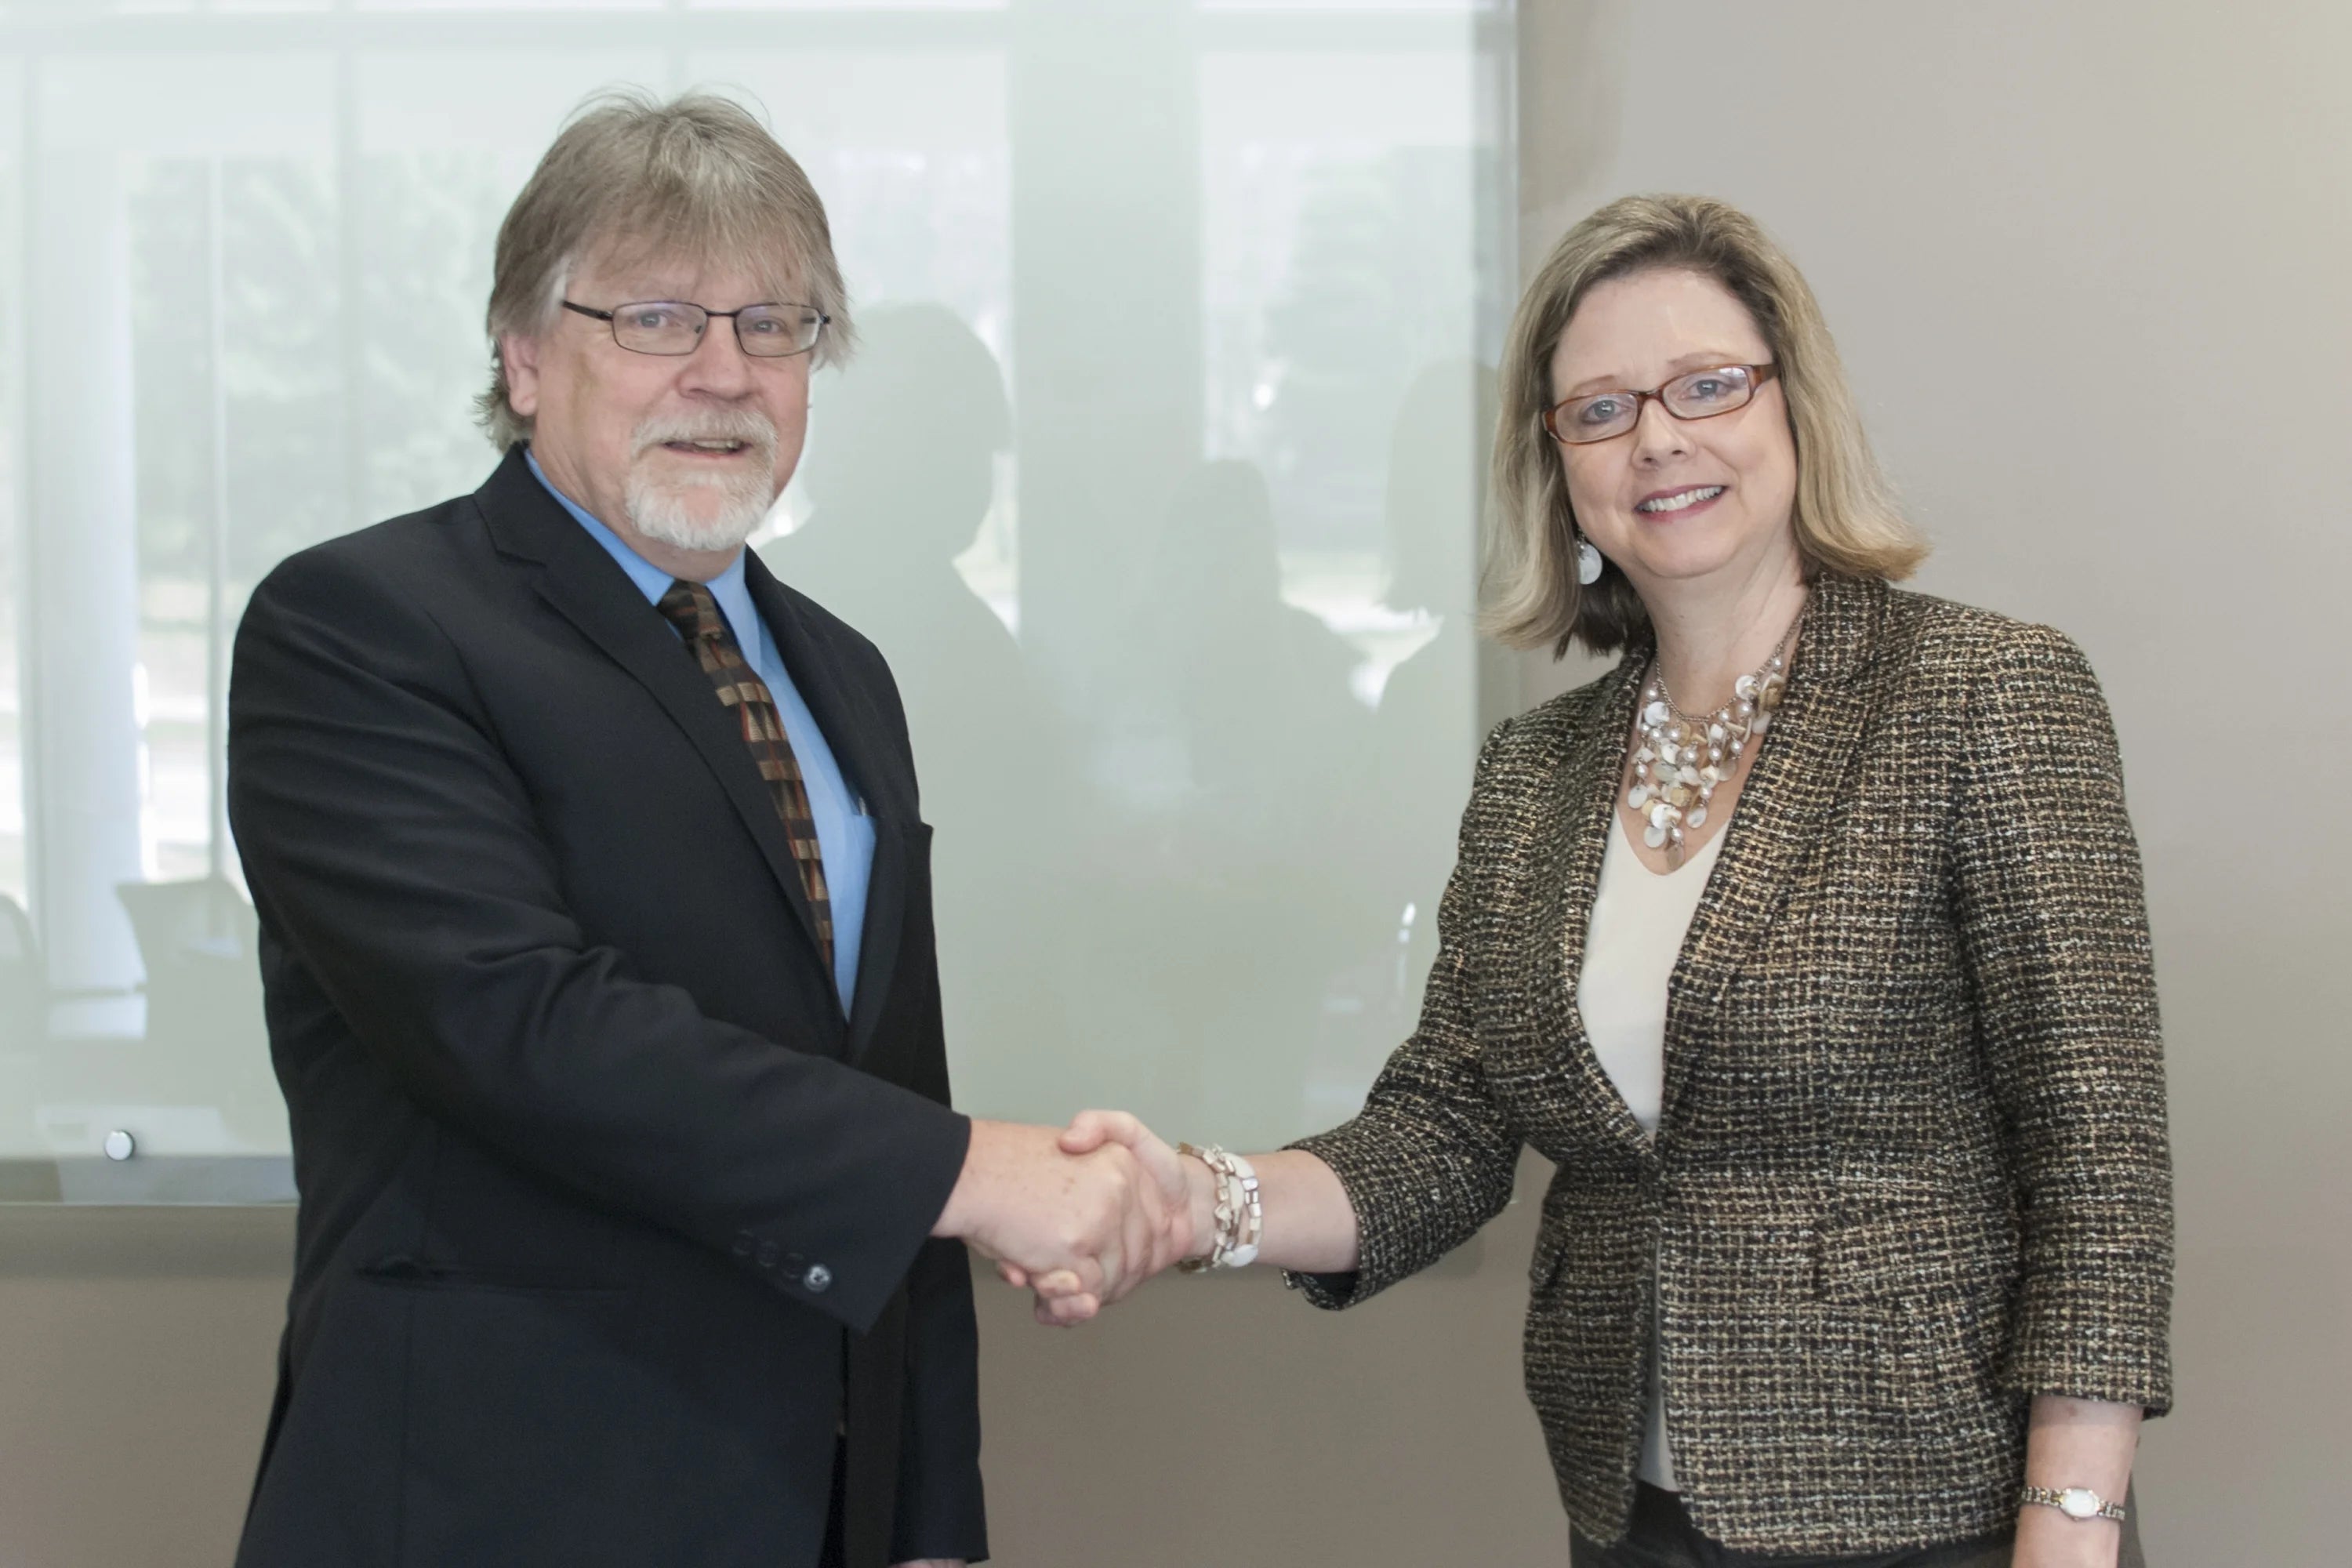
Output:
[[694, 610], [1912, 1165]]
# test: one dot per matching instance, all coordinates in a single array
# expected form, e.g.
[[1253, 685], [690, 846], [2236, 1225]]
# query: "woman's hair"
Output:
[[1845, 516], [631, 179]]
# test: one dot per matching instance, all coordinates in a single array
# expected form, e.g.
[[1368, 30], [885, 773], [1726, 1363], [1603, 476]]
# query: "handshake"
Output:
[[1079, 1216]]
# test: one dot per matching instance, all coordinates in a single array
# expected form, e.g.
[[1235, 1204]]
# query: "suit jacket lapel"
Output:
[[595, 596], [1567, 872], [858, 730], [1797, 778]]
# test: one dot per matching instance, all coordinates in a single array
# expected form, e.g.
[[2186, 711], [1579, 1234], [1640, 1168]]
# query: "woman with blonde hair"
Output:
[[1808, 943]]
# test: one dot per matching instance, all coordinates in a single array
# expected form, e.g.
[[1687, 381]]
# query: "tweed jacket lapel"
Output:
[[1569, 860], [1796, 780], [1798, 777]]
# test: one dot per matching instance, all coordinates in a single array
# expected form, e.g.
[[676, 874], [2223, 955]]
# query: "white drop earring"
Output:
[[1588, 563]]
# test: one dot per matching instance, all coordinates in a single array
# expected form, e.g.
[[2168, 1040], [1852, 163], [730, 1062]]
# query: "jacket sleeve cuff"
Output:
[[855, 1282], [1410, 1211], [2084, 1356]]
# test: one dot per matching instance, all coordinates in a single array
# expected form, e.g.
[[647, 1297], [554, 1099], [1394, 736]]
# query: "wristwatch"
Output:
[[2075, 1502]]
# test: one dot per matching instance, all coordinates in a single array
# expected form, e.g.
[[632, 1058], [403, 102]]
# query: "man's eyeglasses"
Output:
[[676, 327], [1699, 394]]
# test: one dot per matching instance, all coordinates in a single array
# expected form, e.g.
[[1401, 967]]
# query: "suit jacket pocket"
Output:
[[402, 1271], [1914, 1303], [1900, 1255]]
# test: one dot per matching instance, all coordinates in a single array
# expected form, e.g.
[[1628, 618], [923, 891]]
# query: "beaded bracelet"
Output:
[[1240, 1212]]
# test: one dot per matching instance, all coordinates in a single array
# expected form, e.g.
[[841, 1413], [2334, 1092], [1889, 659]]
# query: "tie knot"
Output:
[[693, 610]]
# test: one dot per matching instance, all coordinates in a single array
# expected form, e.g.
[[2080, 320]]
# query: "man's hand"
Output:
[[1099, 1221], [1092, 1130], [1061, 1293]]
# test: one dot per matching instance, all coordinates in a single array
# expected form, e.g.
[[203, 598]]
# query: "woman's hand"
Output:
[[1063, 1300], [1310, 1222]]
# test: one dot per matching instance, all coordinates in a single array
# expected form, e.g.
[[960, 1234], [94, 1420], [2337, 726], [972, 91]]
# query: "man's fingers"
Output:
[[1110, 1266], [1112, 1231], [1054, 1283], [1116, 1224], [1067, 1311]]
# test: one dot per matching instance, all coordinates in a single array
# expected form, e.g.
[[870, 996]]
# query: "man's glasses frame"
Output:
[[811, 321]]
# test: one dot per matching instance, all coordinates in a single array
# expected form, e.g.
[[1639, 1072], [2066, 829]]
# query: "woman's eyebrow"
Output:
[[1700, 359]]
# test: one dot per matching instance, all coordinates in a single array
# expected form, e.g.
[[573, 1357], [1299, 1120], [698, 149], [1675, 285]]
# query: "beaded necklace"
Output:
[[1682, 757]]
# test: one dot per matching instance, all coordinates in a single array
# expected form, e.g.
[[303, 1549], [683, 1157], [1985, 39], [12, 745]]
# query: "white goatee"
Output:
[[717, 510]]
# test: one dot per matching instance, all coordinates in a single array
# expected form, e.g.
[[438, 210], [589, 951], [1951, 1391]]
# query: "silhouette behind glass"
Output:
[[1244, 895], [900, 474]]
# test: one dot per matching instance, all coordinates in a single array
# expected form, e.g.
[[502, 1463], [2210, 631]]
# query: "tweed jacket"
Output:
[[1911, 1168]]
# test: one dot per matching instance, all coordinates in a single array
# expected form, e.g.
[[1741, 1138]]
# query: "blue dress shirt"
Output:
[[844, 833]]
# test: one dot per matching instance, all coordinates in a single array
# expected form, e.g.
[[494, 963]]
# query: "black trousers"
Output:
[[833, 1554], [1663, 1536]]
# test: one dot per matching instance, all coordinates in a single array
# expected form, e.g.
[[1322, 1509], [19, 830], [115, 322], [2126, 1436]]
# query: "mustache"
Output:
[[752, 428]]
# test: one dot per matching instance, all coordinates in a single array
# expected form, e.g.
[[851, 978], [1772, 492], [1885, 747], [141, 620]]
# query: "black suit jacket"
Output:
[[605, 1203]]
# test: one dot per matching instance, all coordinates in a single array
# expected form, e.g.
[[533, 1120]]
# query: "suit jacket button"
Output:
[[818, 1279], [768, 1251]]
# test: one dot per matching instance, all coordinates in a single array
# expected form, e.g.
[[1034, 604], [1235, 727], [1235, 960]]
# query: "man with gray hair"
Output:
[[596, 930]]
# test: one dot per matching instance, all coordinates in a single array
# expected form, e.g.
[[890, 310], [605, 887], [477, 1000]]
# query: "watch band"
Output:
[[2075, 1502]]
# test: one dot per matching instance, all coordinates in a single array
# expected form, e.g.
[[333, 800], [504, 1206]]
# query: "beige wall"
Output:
[[2086, 262]]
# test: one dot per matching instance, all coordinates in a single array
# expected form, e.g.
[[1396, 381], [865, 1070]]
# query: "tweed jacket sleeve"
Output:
[[2054, 937], [1432, 1156]]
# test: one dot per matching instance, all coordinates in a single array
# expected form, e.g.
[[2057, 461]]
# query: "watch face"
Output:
[[2078, 1502]]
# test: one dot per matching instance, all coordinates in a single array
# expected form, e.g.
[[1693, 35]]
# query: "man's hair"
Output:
[[1845, 517], [631, 179]]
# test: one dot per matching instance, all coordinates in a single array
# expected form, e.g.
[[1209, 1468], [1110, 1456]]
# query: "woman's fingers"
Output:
[[1090, 1130]]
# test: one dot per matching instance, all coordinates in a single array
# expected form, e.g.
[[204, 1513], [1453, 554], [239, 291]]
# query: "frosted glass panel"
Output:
[[1156, 479]]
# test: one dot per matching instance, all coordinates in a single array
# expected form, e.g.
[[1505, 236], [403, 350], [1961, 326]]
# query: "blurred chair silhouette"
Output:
[[198, 942], [187, 930], [23, 981]]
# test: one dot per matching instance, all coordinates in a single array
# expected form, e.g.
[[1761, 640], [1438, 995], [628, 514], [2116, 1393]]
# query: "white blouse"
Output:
[[1639, 921]]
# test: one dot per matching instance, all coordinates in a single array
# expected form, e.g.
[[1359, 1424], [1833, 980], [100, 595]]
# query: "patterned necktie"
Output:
[[690, 607]]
